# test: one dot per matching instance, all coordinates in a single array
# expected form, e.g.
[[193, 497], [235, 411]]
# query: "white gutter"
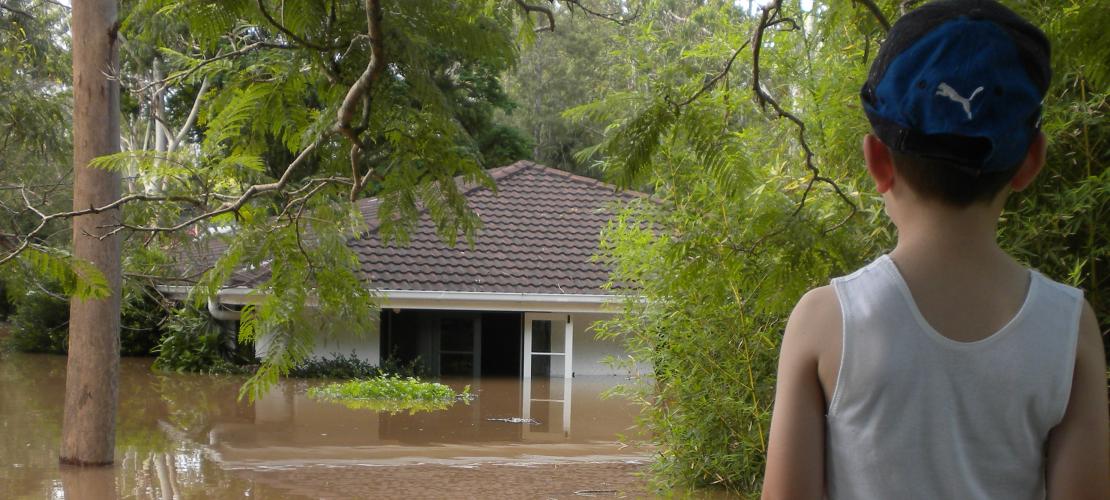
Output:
[[448, 300], [499, 301], [220, 313]]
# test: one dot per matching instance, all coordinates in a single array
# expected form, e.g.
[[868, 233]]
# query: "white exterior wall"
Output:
[[366, 346], [589, 351]]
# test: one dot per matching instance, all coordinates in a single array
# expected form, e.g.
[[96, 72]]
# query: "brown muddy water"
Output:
[[186, 436]]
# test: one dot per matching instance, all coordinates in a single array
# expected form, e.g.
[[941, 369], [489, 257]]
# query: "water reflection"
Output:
[[88, 484], [289, 427], [183, 435], [155, 457]]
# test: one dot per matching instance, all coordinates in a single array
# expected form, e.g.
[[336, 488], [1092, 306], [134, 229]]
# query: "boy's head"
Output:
[[955, 94]]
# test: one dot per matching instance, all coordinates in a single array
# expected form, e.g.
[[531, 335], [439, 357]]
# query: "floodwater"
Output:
[[186, 436]]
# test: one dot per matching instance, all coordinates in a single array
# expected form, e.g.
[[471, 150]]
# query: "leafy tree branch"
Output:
[[768, 18], [300, 40], [528, 8], [878, 13]]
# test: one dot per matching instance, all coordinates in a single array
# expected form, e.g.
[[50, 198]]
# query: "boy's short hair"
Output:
[[955, 92], [942, 181]]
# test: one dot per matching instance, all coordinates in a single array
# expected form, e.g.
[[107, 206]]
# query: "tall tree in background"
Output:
[[92, 369], [560, 70]]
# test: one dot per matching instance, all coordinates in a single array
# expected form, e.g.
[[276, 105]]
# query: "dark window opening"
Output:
[[453, 343], [502, 344]]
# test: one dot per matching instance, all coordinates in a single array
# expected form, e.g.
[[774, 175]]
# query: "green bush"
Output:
[[142, 315], [40, 322], [195, 342], [392, 394], [338, 366], [6, 305]]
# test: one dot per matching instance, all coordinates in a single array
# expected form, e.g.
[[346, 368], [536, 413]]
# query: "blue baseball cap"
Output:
[[960, 81]]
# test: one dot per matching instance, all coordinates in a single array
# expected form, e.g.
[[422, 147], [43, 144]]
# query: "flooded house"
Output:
[[520, 302], [511, 317]]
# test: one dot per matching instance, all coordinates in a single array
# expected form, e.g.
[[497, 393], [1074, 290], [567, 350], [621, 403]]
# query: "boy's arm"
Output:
[[796, 452], [1078, 461]]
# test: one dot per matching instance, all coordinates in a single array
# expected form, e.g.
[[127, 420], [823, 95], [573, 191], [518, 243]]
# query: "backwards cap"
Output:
[[959, 81]]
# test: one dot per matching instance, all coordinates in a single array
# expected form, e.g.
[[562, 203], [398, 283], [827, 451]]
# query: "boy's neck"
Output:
[[945, 236]]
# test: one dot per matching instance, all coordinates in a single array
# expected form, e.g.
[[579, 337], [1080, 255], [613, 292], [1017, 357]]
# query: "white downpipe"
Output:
[[568, 347], [220, 313], [527, 357]]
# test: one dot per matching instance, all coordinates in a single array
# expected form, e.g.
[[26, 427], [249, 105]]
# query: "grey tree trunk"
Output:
[[92, 371]]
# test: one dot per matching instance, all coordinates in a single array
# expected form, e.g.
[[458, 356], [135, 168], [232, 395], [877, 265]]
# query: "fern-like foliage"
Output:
[[78, 278], [276, 77]]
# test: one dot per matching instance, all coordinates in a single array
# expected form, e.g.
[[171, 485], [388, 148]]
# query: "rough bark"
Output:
[[92, 371]]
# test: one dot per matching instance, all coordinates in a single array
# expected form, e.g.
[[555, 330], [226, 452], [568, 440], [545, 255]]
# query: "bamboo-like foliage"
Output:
[[742, 224]]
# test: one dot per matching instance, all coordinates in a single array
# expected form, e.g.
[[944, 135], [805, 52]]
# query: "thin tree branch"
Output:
[[233, 206], [877, 12], [764, 99], [542, 10], [189, 278], [296, 220], [620, 20], [16, 11], [290, 34], [374, 69], [907, 5], [192, 119], [717, 78], [181, 75], [58, 4], [229, 206], [25, 241]]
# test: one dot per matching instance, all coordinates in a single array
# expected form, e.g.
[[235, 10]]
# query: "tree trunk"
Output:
[[161, 134], [92, 371]]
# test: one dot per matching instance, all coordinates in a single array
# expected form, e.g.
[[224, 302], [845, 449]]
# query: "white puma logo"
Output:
[[947, 91]]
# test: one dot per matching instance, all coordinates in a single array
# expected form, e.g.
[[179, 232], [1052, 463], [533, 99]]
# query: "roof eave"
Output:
[[451, 300]]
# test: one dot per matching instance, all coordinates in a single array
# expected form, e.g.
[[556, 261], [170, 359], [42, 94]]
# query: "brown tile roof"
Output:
[[538, 234]]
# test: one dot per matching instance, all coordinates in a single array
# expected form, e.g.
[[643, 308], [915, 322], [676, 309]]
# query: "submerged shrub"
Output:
[[6, 305], [142, 315], [335, 366], [393, 365], [40, 321], [392, 394], [351, 366], [195, 342]]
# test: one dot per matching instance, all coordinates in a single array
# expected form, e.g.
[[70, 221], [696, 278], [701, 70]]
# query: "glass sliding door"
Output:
[[548, 355]]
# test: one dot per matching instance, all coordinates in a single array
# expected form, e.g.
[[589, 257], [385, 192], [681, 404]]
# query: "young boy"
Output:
[[945, 370]]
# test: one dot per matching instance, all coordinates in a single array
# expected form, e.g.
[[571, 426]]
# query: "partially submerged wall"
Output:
[[589, 352]]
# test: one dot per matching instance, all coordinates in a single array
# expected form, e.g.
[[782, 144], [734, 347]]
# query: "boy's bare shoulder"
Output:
[[818, 306], [1090, 349], [813, 337], [816, 321]]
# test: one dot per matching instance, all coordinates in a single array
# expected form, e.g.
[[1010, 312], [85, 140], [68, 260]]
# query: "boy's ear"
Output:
[[880, 164], [1032, 165]]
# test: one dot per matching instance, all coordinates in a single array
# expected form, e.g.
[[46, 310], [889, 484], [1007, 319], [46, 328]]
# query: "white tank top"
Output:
[[916, 415]]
